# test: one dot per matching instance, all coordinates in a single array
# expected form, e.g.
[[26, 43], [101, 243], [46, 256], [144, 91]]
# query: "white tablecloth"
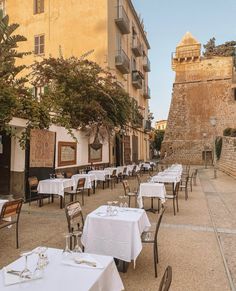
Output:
[[61, 277], [2, 201], [116, 236], [100, 174], [167, 178], [146, 166], [54, 186], [153, 190], [89, 179]]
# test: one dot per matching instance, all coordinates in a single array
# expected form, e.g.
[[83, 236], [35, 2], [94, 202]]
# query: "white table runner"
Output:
[[116, 236]]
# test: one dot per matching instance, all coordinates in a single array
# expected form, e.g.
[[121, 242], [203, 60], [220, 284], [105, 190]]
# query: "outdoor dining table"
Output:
[[151, 190], [118, 236], [90, 181], [55, 187], [60, 276], [100, 175], [2, 202]]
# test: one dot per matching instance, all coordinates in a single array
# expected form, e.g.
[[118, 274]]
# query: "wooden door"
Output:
[[5, 162], [127, 150], [135, 149]]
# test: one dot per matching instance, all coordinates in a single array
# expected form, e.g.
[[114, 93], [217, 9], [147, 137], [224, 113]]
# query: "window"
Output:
[[39, 43], [38, 6], [38, 92]]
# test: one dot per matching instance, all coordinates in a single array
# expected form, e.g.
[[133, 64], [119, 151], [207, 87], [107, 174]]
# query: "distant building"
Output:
[[160, 124]]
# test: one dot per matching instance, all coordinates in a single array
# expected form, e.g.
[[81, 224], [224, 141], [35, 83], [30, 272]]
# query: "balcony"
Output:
[[122, 20], [146, 92], [137, 79], [122, 62], [137, 47], [146, 64], [147, 126]]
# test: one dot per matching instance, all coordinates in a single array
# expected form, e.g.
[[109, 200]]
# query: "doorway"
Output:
[[5, 163]]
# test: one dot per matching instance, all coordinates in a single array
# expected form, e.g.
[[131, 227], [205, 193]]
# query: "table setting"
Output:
[[115, 231], [54, 269]]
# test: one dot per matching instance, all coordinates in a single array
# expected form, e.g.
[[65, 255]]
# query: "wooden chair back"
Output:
[[33, 182], [138, 179], [166, 280], [11, 209], [126, 186], [74, 216], [80, 183], [69, 174]]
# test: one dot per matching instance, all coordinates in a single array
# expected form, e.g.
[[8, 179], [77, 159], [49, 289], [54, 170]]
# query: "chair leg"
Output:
[[177, 203], [157, 253], [155, 259], [191, 185], [129, 200], [17, 236], [174, 205], [82, 197], [186, 192]]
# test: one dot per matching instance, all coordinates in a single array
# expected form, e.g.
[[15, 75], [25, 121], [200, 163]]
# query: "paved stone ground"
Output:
[[187, 241]]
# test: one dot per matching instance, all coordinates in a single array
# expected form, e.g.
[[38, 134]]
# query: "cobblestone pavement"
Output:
[[187, 241]]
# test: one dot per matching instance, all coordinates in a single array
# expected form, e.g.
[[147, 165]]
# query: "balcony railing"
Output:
[[122, 20], [122, 62], [147, 125], [147, 92], [146, 64], [137, 79], [137, 47]]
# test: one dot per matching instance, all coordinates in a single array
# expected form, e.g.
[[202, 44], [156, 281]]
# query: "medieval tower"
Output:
[[203, 88]]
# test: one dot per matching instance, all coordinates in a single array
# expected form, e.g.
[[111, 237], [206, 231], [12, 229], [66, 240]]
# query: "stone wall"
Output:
[[202, 88], [227, 162]]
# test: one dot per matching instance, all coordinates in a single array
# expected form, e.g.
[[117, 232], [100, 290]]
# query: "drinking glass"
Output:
[[115, 210], [50, 176], [26, 273]]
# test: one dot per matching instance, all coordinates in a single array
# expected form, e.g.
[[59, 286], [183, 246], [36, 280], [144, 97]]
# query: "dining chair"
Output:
[[166, 280], [33, 184], [10, 215], [150, 237], [69, 174], [110, 179], [174, 196], [79, 189], [184, 185], [128, 192], [75, 219]]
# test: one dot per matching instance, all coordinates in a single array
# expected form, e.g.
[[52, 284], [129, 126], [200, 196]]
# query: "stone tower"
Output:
[[203, 87]]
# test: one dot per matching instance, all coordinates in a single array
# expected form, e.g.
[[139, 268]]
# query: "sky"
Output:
[[166, 22]]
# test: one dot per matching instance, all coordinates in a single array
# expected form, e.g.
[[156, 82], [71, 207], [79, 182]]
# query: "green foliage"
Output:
[[83, 93], [157, 139], [227, 131], [218, 147], [227, 49]]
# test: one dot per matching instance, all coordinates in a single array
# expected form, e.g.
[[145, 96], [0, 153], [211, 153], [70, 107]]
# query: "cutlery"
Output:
[[88, 263], [16, 273]]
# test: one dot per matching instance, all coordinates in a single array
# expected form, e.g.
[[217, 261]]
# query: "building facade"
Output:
[[204, 87], [160, 124], [108, 32]]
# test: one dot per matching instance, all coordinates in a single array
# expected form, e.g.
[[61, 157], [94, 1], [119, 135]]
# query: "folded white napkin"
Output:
[[11, 279], [82, 260]]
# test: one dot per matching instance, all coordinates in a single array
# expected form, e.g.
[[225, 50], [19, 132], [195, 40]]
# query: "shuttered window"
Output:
[[38, 6], [39, 44]]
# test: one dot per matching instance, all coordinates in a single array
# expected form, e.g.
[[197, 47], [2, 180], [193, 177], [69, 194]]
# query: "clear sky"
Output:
[[166, 22]]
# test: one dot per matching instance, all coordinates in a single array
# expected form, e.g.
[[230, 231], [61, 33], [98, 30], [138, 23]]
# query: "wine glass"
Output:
[[109, 208], [77, 248], [67, 251], [26, 273]]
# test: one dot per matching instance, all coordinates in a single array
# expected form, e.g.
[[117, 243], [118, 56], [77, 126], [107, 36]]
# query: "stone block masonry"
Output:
[[227, 162]]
